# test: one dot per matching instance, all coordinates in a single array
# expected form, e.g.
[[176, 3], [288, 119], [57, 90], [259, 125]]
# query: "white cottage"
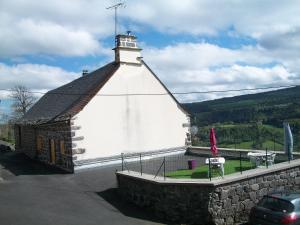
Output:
[[120, 108]]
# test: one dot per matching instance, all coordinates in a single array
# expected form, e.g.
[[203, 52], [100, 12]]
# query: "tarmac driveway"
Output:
[[31, 193]]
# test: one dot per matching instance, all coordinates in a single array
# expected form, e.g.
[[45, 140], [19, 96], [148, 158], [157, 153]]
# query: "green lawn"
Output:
[[241, 145], [270, 145], [230, 166], [249, 145]]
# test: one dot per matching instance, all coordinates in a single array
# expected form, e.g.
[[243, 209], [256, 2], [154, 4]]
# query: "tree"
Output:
[[23, 99]]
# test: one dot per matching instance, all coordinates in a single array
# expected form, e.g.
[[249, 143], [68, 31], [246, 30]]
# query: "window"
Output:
[[297, 205], [62, 147], [276, 204], [39, 143]]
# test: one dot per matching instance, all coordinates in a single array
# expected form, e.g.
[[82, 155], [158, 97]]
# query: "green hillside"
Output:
[[238, 118]]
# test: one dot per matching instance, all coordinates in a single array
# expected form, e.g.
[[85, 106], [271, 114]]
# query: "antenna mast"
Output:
[[115, 7]]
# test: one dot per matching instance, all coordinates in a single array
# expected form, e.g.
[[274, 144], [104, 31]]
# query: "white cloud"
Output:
[[252, 18], [45, 37], [203, 55], [187, 67], [78, 27], [73, 27], [67, 28], [36, 77]]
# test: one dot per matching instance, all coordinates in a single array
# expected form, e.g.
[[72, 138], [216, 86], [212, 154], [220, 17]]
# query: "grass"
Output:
[[269, 144], [230, 166], [241, 145]]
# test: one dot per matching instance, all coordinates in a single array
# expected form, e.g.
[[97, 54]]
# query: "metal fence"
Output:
[[162, 166], [158, 165], [246, 137]]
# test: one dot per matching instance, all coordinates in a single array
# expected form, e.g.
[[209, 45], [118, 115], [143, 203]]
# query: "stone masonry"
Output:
[[220, 201], [59, 131]]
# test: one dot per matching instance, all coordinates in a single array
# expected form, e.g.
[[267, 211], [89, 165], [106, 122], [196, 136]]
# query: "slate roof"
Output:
[[64, 102]]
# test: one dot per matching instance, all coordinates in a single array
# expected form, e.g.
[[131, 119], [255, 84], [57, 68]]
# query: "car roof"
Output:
[[286, 196]]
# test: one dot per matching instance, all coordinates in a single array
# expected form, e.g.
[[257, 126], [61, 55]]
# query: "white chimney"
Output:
[[126, 50]]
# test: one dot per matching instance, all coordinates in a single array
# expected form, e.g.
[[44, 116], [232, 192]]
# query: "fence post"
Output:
[[273, 142], [122, 156], [234, 143], [209, 170], [241, 170], [157, 172], [288, 152], [141, 164], [267, 157], [164, 168]]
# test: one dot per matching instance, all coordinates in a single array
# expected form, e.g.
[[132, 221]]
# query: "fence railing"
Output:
[[165, 166]]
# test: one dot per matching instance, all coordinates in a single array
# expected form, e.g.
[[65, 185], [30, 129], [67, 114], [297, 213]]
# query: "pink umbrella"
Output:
[[213, 142]]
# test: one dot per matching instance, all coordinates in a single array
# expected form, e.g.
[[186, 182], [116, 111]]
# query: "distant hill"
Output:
[[269, 108], [251, 121]]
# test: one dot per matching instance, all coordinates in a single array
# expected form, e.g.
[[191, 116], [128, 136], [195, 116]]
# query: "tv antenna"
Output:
[[115, 7]]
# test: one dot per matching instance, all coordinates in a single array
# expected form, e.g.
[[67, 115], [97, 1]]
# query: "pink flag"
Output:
[[213, 142]]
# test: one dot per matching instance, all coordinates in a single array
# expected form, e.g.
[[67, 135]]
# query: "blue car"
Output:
[[278, 208]]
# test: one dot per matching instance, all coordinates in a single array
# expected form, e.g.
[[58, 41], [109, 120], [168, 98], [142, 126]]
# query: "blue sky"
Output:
[[193, 45]]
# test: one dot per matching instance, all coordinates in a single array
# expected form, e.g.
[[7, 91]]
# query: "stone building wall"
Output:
[[59, 131], [221, 201], [25, 139]]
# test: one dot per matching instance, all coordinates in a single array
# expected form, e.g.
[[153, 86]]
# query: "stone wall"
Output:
[[220, 201], [25, 139], [59, 131], [232, 202]]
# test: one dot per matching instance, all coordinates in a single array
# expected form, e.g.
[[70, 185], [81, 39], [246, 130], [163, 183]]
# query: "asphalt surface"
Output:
[[33, 194]]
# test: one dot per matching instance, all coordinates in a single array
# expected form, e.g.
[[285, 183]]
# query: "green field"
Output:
[[201, 172], [243, 136], [249, 145], [248, 121]]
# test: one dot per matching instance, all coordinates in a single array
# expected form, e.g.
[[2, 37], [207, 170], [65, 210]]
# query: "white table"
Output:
[[259, 157], [216, 163]]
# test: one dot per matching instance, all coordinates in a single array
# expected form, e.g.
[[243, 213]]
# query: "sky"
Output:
[[192, 45]]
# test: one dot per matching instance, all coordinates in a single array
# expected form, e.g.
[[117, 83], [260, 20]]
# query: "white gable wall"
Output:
[[112, 125]]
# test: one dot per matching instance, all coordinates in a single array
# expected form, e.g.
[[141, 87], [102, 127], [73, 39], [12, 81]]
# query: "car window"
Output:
[[297, 205], [276, 204]]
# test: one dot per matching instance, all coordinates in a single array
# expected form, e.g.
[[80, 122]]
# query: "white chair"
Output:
[[215, 164], [271, 159]]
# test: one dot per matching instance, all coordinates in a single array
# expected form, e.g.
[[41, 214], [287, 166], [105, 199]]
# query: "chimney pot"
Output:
[[126, 50], [85, 72]]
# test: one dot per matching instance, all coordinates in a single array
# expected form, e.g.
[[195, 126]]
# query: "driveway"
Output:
[[31, 193]]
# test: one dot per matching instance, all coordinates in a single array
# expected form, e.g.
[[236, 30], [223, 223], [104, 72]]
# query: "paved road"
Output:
[[33, 194]]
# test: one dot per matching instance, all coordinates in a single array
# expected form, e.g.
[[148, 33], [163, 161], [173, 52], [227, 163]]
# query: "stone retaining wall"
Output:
[[220, 201]]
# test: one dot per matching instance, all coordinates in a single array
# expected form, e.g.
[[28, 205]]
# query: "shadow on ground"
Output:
[[128, 209], [20, 164]]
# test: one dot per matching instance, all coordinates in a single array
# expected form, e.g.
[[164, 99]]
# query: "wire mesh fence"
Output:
[[186, 165], [246, 136], [158, 165]]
